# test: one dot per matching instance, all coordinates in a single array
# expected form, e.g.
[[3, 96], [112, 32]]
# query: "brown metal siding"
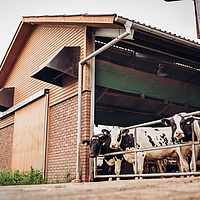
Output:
[[29, 135], [44, 42]]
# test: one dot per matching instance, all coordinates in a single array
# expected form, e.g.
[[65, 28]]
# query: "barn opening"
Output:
[[129, 88]]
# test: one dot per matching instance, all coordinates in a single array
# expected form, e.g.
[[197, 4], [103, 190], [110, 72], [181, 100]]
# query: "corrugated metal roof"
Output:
[[164, 33]]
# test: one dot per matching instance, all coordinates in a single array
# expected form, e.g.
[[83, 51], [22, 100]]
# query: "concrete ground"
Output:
[[168, 188]]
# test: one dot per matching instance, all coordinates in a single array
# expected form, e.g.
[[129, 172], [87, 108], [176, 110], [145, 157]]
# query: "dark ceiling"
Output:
[[115, 107]]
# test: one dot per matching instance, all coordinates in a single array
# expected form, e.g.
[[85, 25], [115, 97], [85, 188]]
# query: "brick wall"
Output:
[[6, 142], [62, 142], [85, 134]]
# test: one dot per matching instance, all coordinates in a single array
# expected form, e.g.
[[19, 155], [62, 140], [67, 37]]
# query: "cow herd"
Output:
[[176, 130]]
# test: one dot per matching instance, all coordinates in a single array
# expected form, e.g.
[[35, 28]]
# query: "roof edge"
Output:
[[158, 32], [82, 18]]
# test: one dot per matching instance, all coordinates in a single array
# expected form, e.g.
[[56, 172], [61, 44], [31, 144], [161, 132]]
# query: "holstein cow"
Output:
[[151, 137], [100, 144], [182, 131]]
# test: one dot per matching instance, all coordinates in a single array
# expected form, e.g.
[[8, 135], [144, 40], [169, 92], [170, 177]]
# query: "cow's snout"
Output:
[[113, 146], [179, 134]]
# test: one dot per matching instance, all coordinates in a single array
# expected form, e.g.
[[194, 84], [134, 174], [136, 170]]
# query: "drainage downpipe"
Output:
[[127, 25]]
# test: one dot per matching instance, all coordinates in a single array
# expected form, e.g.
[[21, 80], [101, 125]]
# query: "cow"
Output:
[[180, 127], [150, 137], [182, 131], [100, 144]]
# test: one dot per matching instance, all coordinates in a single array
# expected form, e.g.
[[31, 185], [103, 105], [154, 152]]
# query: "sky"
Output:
[[176, 17]]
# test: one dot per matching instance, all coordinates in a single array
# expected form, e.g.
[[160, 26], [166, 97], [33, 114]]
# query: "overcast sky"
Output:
[[175, 17]]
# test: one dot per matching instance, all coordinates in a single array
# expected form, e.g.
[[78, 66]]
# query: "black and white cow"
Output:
[[181, 127], [151, 137], [100, 144], [182, 131]]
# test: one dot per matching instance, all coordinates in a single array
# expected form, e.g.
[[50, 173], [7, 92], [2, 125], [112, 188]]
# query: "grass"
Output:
[[7, 177]]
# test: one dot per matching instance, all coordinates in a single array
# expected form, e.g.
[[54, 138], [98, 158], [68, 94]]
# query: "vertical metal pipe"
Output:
[[95, 167], [92, 105], [135, 144], [193, 149], [45, 133], [79, 121]]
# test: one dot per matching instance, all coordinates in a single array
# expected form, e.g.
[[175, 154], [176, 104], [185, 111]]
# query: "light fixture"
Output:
[[161, 71], [142, 96]]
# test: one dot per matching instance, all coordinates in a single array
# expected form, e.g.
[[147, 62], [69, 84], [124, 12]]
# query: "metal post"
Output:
[[45, 132], [193, 149], [135, 144], [79, 122], [92, 105]]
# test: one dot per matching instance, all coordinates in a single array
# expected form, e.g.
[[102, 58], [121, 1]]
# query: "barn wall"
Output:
[[43, 43], [6, 142], [63, 101], [62, 142]]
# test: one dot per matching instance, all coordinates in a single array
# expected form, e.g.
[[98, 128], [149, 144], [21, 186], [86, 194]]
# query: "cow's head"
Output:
[[179, 125], [116, 137], [97, 142], [127, 140]]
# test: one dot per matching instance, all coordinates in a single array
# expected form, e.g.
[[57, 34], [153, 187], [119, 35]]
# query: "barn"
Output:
[[64, 75]]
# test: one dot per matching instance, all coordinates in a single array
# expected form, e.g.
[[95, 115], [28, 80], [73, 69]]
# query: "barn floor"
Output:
[[169, 188]]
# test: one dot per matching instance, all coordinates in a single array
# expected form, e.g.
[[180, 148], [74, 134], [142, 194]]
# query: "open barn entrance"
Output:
[[132, 89], [144, 80]]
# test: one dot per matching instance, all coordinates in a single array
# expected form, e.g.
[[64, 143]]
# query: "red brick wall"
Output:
[[62, 143], [6, 142], [85, 134]]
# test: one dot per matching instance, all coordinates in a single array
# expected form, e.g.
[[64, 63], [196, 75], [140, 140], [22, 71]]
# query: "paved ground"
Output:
[[169, 188]]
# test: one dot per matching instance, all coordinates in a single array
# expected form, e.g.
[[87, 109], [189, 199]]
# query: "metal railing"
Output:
[[135, 150]]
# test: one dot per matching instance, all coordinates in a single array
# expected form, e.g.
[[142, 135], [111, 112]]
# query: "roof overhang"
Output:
[[83, 19], [16, 46]]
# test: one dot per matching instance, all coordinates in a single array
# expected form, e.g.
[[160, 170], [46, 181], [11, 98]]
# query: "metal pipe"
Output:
[[92, 104], [135, 144], [149, 175], [95, 169], [45, 134], [193, 150], [128, 25], [148, 149], [159, 121]]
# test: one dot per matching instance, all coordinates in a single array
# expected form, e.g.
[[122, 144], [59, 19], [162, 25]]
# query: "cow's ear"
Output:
[[86, 142], [166, 122], [105, 131], [189, 120], [125, 131]]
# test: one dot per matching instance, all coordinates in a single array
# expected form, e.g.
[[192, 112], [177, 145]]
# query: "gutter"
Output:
[[128, 25]]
